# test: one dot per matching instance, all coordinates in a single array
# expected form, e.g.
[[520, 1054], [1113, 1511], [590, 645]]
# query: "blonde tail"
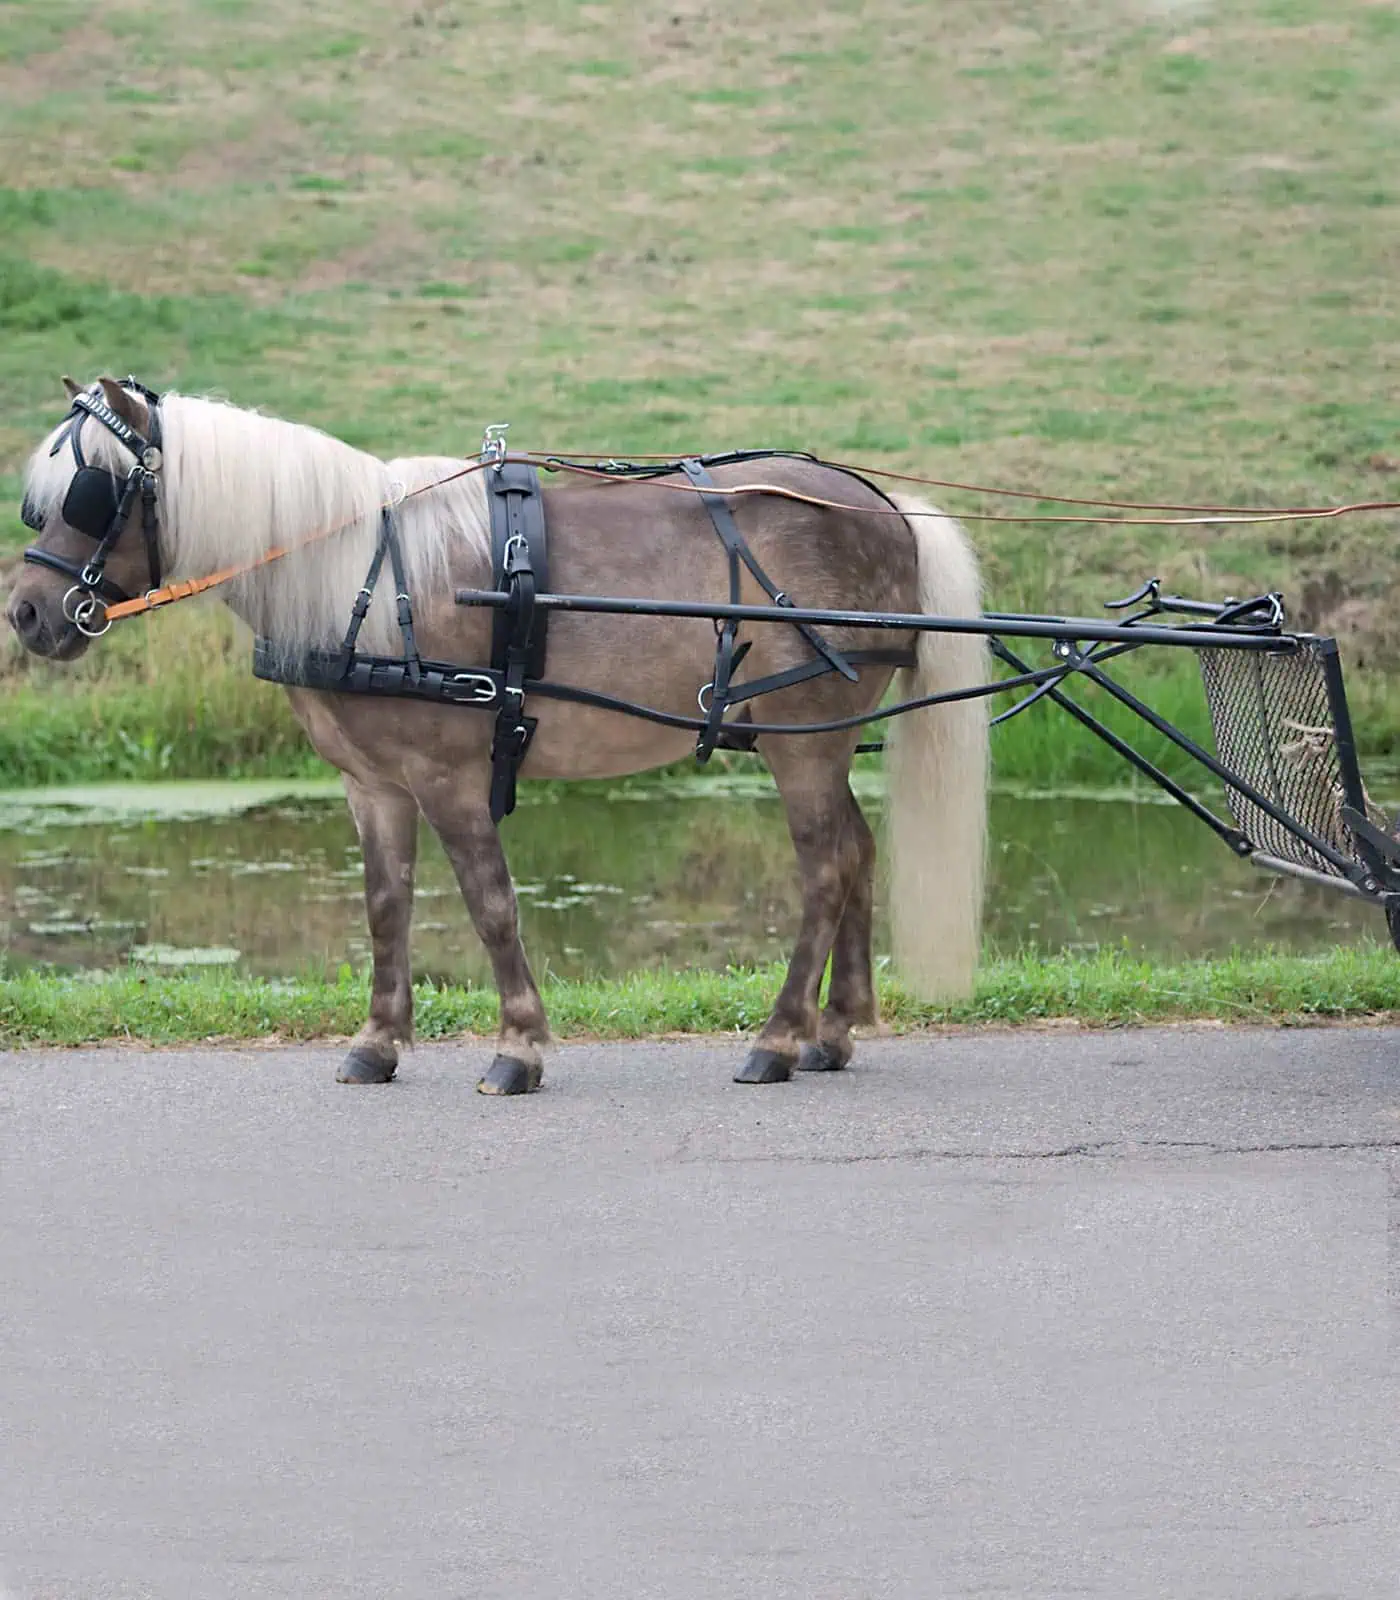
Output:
[[936, 817]]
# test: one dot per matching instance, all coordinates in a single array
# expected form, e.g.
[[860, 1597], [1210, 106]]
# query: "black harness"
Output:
[[97, 504], [520, 571]]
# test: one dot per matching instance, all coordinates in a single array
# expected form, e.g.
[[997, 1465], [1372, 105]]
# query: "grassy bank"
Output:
[[1116, 247], [1100, 991]]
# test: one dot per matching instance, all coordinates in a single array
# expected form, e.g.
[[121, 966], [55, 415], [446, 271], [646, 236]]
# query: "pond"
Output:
[[267, 879]]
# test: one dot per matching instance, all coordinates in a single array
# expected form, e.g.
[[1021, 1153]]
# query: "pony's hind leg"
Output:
[[387, 822], [474, 848], [811, 778], [851, 999]]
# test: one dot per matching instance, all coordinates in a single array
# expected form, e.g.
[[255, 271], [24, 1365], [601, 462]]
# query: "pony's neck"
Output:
[[237, 485]]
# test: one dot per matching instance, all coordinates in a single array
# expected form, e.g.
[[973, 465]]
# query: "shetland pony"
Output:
[[233, 484]]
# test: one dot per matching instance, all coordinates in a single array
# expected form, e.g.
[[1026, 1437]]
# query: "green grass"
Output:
[[1108, 248], [1103, 990]]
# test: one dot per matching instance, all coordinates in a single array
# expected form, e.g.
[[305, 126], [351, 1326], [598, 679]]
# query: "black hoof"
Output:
[[363, 1066], [508, 1076], [821, 1058], [764, 1066]]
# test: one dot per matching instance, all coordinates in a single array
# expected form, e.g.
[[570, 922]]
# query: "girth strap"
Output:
[[520, 567], [517, 513]]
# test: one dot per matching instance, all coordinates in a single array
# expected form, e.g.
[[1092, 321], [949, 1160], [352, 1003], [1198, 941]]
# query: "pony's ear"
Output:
[[131, 408], [73, 390]]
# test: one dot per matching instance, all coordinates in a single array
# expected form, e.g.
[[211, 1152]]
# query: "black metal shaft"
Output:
[[1071, 629]]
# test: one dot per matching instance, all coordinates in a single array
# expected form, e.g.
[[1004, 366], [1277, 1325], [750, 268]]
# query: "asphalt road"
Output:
[[1035, 1315]]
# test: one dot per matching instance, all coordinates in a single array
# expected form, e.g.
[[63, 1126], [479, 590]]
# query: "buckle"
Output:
[[469, 689]]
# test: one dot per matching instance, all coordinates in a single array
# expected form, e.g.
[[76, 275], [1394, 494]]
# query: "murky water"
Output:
[[608, 883]]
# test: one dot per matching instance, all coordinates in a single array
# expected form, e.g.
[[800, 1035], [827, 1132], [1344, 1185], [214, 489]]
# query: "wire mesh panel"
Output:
[[1276, 728]]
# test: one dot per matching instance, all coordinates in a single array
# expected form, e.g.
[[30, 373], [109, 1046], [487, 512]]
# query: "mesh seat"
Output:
[[1275, 716]]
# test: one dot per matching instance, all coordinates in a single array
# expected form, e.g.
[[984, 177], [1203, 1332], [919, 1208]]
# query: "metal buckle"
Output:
[[469, 689]]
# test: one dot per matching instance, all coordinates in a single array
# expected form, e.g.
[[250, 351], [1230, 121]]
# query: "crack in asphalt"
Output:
[[1105, 1149]]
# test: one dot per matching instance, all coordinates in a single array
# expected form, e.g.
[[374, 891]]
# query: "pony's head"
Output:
[[92, 495]]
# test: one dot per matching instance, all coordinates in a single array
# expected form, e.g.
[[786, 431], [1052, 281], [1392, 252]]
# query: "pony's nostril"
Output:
[[25, 618]]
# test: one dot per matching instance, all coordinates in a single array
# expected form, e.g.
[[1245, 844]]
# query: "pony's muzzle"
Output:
[[42, 628]]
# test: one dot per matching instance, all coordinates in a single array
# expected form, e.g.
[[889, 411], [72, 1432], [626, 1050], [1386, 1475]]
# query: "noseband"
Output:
[[97, 505]]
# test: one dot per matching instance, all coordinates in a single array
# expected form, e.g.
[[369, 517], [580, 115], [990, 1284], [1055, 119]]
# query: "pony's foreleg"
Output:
[[387, 821], [851, 999], [474, 848], [812, 783]]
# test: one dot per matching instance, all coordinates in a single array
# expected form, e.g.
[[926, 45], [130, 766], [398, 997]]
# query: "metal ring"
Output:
[[83, 612], [81, 623], [708, 688]]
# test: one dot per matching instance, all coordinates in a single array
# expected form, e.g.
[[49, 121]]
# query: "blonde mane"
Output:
[[236, 484]]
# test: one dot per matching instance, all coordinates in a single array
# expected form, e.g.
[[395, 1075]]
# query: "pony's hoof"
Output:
[[508, 1076], [821, 1058], [364, 1066], [764, 1066]]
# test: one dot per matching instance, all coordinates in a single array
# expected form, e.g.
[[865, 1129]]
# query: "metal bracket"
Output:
[[1149, 591], [493, 443], [1366, 833]]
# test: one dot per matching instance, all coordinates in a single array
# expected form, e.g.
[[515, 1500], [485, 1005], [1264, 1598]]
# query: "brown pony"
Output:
[[226, 486]]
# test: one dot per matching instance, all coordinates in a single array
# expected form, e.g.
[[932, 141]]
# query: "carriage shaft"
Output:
[[1012, 625]]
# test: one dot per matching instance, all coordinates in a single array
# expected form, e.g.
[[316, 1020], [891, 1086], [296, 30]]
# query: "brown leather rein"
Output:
[[1194, 516]]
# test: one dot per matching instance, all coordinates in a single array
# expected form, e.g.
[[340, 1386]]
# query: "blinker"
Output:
[[95, 505], [92, 501]]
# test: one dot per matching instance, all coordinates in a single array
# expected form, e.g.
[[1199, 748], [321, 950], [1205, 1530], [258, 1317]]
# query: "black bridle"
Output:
[[97, 504]]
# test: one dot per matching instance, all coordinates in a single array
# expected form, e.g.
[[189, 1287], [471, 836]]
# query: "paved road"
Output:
[[1037, 1316]]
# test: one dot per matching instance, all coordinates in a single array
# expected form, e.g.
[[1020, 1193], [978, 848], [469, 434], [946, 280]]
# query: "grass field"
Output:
[[1109, 990], [1140, 248]]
